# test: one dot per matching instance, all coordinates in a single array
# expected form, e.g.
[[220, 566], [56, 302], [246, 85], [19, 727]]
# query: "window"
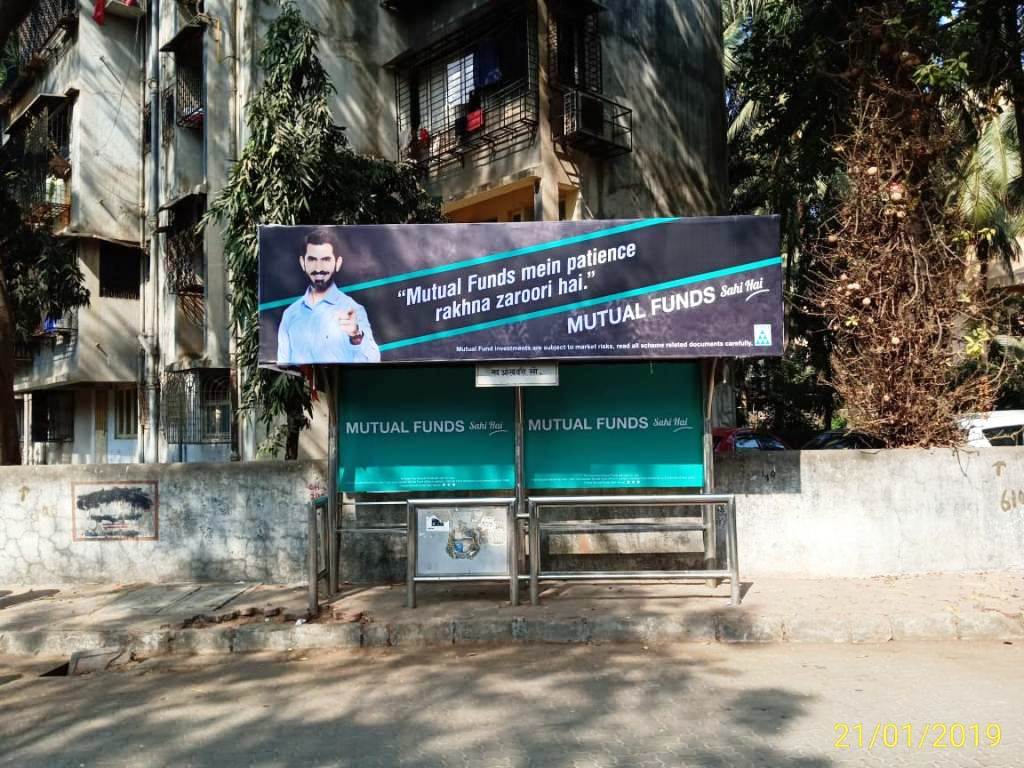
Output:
[[1004, 436], [147, 127], [126, 412], [474, 90], [574, 45], [53, 416], [216, 408], [747, 442], [196, 406], [119, 271]]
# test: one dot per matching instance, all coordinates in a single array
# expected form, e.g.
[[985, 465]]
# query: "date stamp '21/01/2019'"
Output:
[[910, 736]]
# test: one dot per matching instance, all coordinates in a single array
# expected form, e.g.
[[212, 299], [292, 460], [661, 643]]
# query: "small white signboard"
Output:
[[517, 374]]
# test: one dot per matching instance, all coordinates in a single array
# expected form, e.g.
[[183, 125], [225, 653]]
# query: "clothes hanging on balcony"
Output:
[[99, 11], [486, 64]]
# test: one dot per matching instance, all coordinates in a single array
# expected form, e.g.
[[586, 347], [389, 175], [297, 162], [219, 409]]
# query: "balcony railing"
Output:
[[472, 93], [40, 154], [503, 118], [34, 36], [593, 124]]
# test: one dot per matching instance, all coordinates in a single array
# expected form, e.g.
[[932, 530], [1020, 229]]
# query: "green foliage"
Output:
[[41, 273], [794, 71], [297, 168]]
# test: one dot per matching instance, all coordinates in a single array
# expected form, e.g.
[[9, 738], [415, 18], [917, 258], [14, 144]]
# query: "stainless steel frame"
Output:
[[705, 501], [412, 505], [318, 551]]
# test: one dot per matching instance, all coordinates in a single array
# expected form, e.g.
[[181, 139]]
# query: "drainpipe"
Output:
[[150, 338]]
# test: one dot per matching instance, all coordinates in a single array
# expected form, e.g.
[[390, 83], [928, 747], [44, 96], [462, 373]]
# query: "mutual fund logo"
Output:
[[762, 335]]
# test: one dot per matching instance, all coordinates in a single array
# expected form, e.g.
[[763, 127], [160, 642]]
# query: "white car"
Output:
[[996, 428]]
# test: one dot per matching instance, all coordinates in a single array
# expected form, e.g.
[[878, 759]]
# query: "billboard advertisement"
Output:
[[636, 425], [616, 289], [606, 425]]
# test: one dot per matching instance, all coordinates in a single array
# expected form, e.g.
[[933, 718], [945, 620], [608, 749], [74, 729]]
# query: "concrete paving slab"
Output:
[[154, 619]]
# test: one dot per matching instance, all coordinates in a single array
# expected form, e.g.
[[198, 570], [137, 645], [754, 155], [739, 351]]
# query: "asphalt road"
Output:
[[538, 705]]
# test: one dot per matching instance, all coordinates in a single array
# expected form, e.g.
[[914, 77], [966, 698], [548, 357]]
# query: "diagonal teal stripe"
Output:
[[580, 304], [489, 258]]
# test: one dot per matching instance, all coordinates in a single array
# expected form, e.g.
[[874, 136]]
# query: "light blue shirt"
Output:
[[313, 334]]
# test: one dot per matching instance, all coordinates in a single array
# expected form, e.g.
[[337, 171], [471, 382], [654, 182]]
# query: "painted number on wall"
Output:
[[1012, 500]]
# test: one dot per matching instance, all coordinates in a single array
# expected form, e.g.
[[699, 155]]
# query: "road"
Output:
[[538, 705]]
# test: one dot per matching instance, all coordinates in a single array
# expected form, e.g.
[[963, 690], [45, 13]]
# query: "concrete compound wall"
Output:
[[815, 514], [873, 513], [212, 522]]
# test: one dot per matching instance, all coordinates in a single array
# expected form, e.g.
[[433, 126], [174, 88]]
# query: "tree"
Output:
[[297, 168], [39, 277]]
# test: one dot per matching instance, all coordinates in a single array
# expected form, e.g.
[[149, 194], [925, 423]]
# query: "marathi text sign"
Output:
[[653, 288]]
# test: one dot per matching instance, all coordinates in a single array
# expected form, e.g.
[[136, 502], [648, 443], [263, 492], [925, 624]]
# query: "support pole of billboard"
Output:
[[520, 505], [708, 512], [331, 529]]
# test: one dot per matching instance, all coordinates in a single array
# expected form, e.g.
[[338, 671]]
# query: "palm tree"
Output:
[[991, 190]]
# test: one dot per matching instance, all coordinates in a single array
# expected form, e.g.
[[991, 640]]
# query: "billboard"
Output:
[[606, 425], [636, 425], [640, 289], [423, 429]]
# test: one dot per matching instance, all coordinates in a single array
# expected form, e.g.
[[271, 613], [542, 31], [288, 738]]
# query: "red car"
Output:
[[733, 439]]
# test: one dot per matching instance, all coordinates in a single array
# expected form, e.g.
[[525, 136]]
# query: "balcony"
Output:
[[593, 124], [189, 94], [472, 94], [33, 41], [40, 154]]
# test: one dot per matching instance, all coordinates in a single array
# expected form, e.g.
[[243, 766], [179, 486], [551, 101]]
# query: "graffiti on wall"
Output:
[[115, 511]]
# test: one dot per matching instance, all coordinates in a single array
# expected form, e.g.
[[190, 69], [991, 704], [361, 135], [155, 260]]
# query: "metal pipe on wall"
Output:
[[333, 404], [150, 337]]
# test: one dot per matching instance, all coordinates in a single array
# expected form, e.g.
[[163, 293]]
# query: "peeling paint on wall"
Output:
[[115, 511]]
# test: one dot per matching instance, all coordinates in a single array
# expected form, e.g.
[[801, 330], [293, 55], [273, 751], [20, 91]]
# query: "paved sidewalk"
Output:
[[153, 620]]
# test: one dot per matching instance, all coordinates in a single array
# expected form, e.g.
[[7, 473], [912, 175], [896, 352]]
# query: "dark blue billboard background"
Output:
[[652, 288]]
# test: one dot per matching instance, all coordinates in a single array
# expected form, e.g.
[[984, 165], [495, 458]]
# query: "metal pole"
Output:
[[534, 528], [333, 396], [734, 557], [520, 505], [708, 512], [513, 555], [313, 569], [410, 566]]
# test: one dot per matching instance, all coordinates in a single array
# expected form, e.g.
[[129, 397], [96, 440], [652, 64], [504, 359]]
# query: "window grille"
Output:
[[167, 114], [574, 51], [197, 406], [189, 85], [53, 416], [40, 149], [184, 262], [34, 36], [119, 271], [126, 412], [471, 93], [147, 127], [581, 117]]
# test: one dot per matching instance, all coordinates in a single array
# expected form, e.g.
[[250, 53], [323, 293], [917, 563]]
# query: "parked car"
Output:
[[993, 429], [842, 438], [731, 440]]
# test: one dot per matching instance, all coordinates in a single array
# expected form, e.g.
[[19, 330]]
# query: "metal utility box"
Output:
[[462, 541]]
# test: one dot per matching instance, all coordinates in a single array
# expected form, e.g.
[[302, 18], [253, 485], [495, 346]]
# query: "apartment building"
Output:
[[512, 110]]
